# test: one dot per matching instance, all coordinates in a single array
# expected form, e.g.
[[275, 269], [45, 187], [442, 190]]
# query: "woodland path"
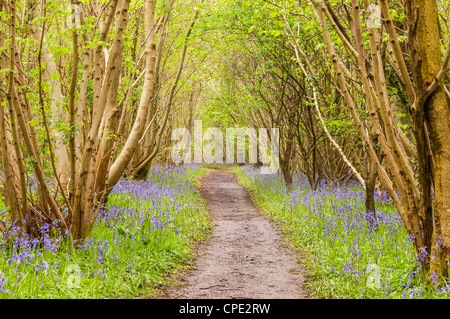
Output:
[[245, 257]]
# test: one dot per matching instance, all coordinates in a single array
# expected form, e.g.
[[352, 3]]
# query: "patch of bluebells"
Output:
[[137, 213], [343, 239]]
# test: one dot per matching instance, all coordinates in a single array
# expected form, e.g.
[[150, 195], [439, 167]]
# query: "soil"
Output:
[[246, 257]]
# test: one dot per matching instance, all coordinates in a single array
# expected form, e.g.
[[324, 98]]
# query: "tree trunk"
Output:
[[141, 171], [369, 202], [437, 114], [57, 105], [131, 144]]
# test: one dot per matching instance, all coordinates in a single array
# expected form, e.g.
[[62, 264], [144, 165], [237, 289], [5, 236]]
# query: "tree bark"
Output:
[[436, 111], [131, 144]]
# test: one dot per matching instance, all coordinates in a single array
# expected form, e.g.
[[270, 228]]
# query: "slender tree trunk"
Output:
[[141, 171], [369, 200], [286, 158], [57, 104], [85, 198], [384, 178], [131, 144]]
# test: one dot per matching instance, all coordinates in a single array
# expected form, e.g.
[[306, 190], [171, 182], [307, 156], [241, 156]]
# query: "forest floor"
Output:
[[246, 256]]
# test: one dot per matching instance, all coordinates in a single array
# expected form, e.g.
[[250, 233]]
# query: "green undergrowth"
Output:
[[344, 253], [146, 233]]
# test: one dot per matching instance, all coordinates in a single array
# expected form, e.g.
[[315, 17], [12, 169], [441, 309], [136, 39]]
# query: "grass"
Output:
[[345, 256], [147, 232]]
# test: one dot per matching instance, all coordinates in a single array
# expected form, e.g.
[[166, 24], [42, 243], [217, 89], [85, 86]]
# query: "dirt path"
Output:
[[244, 258]]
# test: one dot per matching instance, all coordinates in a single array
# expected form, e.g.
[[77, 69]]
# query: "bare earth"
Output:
[[245, 257]]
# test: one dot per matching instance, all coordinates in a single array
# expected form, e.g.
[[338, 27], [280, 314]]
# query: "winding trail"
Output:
[[245, 257]]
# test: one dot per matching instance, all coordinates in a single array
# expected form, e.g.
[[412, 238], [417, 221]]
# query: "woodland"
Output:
[[91, 91]]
